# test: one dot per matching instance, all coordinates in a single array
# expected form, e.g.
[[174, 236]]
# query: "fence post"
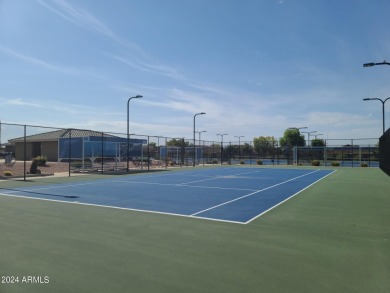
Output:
[[250, 153], [148, 155], [166, 154], [369, 155], [203, 153], [352, 152], [102, 153], [325, 154], [230, 152], [70, 151], [25, 154]]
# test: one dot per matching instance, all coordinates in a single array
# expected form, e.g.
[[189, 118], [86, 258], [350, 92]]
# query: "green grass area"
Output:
[[332, 237]]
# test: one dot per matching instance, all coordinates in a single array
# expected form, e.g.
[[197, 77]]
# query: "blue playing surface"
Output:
[[225, 194]]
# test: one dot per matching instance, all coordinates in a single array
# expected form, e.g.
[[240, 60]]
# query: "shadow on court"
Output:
[[39, 193]]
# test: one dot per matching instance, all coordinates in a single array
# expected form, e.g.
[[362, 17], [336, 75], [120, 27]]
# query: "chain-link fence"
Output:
[[28, 150], [340, 152]]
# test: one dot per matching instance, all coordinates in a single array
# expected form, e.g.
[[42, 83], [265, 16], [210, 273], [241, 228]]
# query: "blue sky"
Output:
[[255, 67]]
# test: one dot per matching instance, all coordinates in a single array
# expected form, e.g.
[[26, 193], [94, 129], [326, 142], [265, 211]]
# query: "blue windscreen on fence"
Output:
[[93, 146], [384, 152]]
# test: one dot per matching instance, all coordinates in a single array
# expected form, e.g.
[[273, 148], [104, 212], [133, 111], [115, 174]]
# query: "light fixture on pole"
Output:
[[199, 133], [383, 108], [308, 135], [373, 64], [128, 131], [193, 157], [297, 128]]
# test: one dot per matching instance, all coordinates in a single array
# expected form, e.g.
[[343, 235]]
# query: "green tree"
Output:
[[153, 149], [317, 142], [264, 144], [246, 149], [292, 137], [228, 150], [176, 142]]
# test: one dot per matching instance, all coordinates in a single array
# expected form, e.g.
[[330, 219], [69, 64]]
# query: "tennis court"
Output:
[[232, 194], [332, 237]]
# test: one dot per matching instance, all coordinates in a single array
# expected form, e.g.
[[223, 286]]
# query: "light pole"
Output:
[[239, 146], [193, 158], [308, 135], [298, 128], [373, 64], [199, 132], [128, 131], [315, 135], [383, 108], [296, 146], [222, 145]]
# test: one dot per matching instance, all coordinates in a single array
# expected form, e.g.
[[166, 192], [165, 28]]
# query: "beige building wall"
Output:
[[49, 149], [19, 151]]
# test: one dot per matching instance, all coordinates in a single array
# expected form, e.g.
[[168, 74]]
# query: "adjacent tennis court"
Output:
[[232, 194]]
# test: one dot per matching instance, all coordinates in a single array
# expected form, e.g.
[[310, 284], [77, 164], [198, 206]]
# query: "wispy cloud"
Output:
[[85, 20], [20, 102], [135, 57], [51, 105], [336, 119], [154, 68], [35, 61], [49, 66]]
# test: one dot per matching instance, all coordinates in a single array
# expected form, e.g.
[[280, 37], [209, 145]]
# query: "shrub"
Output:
[[363, 165], [41, 160], [242, 162], [259, 162], [335, 164], [315, 163], [7, 173]]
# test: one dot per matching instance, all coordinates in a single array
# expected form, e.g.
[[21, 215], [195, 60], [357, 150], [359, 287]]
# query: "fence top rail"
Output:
[[242, 142]]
